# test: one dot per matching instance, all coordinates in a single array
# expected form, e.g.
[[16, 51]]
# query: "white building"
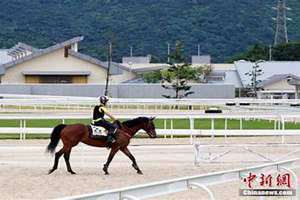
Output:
[[60, 63]]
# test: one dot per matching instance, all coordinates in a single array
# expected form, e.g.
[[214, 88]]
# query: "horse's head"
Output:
[[149, 127]]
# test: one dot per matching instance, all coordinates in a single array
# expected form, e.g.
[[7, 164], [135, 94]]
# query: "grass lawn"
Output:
[[159, 123]]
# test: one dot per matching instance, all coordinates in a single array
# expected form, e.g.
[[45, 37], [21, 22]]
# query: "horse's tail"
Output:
[[55, 136]]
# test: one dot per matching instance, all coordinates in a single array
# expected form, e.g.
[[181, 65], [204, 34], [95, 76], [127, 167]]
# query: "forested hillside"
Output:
[[222, 27]]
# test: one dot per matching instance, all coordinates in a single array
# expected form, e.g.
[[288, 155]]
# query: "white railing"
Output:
[[56, 101], [156, 100], [23, 131], [183, 184], [279, 123]]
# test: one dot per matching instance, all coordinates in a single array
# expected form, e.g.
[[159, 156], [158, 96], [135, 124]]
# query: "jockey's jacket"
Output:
[[99, 112]]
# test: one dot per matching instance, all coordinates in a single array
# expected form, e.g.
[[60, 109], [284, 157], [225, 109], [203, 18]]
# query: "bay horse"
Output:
[[72, 134]]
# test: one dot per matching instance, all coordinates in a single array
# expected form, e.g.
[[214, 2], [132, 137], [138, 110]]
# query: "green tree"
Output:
[[152, 77], [282, 52], [287, 52], [176, 77], [256, 52], [254, 75], [196, 73]]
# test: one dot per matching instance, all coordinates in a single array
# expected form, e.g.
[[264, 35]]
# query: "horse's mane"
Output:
[[133, 122]]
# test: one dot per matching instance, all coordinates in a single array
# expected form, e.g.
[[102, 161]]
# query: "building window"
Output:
[[55, 79], [215, 78]]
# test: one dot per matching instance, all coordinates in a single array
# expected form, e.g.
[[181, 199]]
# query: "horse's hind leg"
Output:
[[131, 157], [67, 159], [57, 156]]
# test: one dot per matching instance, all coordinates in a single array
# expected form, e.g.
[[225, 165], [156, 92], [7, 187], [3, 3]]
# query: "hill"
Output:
[[223, 28]]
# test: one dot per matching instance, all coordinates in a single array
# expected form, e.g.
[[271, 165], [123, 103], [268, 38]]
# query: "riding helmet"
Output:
[[103, 99]]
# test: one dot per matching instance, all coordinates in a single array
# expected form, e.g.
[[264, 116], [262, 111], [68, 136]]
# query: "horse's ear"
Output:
[[152, 118]]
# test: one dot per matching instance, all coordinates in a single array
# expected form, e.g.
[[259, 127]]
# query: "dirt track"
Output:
[[24, 166]]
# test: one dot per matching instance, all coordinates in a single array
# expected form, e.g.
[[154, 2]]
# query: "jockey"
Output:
[[98, 119]]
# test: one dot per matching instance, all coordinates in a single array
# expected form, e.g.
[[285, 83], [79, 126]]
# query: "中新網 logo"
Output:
[[278, 184]]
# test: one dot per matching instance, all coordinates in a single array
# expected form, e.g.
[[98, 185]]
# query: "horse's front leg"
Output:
[[112, 153], [131, 157]]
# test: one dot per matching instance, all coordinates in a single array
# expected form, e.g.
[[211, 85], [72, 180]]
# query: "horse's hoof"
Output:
[[50, 171], [106, 173], [140, 172], [72, 172]]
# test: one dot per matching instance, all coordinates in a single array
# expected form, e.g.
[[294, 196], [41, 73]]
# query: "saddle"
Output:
[[97, 132]]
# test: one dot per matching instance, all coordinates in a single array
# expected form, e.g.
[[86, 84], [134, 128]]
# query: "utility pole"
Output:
[[130, 51], [168, 52], [270, 52], [281, 36], [108, 67]]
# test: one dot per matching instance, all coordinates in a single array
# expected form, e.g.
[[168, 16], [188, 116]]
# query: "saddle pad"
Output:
[[98, 130]]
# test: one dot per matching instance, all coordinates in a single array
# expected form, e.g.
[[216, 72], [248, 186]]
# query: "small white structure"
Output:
[[203, 59]]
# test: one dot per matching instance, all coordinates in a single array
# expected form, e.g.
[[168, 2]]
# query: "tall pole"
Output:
[[168, 52], [108, 67], [130, 51], [198, 49], [270, 52]]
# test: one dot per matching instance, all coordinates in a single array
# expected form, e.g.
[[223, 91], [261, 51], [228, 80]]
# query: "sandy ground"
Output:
[[24, 167]]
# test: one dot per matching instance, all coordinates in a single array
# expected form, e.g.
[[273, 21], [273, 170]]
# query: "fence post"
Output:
[[225, 127], [192, 127], [21, 125], [172, 128], [283, 128], [241, 123], [212, 126], [165, 127], [24, 129]]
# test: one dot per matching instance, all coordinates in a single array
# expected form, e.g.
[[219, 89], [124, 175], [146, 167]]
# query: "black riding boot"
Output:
[[110, 138]]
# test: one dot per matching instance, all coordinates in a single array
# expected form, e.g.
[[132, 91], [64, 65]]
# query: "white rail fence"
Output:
[[57, 102], [186, 183], [150, 101], [278, 129], [171, 132]]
